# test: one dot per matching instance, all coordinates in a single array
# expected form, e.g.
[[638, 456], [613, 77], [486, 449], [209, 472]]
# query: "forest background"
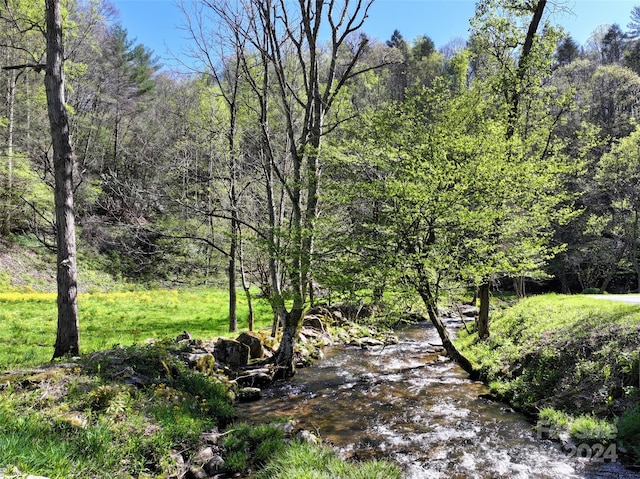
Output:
[[339, 168]]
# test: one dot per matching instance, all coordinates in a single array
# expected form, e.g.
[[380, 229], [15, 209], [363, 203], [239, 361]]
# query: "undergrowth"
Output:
[[305, 461]]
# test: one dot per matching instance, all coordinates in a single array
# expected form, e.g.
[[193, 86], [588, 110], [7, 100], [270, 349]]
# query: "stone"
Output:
[[196, 472], [214, 465], [232, 353], [468, 310], [285, 427], [249, 394], [204, 455], [255, 379], [256, 350], [14, 473], [185, 336], [211, 437], [203, 362], [313, 322], [370, 342], [178, 463], [307, 436]]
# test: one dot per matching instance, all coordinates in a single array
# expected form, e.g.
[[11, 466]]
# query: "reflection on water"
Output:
[[406, 403]]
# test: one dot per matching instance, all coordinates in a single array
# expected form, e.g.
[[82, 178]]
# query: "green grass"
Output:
[[28, 320], [305, 461], [84, 421]]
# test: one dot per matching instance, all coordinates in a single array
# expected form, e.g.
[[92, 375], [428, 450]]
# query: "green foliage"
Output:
[[590, 430], [436, 192], [629, 430], [304, 461], [89, 420], [23, 191], [181, 393], [583, 429]]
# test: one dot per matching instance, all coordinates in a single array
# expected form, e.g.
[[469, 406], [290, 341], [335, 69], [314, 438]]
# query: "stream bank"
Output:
[[571, 361]]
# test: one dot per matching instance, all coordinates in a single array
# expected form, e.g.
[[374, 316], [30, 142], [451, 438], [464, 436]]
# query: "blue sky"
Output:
[[156, 23]]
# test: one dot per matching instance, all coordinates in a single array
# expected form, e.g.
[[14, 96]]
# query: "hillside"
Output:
[[25, 265]]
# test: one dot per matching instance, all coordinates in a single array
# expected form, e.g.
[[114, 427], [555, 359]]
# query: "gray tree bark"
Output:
[[67, 339]]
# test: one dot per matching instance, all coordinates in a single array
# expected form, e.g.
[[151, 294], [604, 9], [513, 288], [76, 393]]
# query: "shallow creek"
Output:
[[405, 403]]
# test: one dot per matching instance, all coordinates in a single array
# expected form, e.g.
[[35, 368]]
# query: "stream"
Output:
[[407, 403]]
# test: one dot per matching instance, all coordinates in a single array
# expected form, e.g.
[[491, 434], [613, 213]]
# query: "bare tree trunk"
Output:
[[245, 284], [287, 37], [233, 297], [67, 340], [483, 314], [285, 360], [633, 250], [11, 100], [612, 269], [519, 285], [432, 310], [523, 65]]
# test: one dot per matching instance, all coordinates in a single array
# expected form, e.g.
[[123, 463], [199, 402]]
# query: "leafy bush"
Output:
[[571, 359], [629, 430]]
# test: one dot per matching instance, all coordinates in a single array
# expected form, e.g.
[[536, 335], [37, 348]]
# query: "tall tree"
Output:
[[517, 59], [612, 45], [398, 72], [67, 339], [618, 176], [300, 79], [634, 24], [222, 54], [568, 51]]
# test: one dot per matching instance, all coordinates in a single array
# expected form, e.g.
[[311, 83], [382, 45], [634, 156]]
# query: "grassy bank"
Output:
[[571, 360]]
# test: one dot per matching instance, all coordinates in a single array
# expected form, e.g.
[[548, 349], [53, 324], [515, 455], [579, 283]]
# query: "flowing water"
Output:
[[407, 403]]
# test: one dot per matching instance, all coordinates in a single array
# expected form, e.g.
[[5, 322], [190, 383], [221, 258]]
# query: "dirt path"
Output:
[[625, 298]]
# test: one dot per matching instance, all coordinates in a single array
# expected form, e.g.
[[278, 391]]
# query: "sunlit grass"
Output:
[[28, 320], [305, 461]]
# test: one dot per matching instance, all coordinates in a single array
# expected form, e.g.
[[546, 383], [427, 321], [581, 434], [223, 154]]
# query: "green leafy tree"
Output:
[[22, 48], [398, 72], [447, 200], [618, 175], [614, 89], [514, 58], [613, 45]]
